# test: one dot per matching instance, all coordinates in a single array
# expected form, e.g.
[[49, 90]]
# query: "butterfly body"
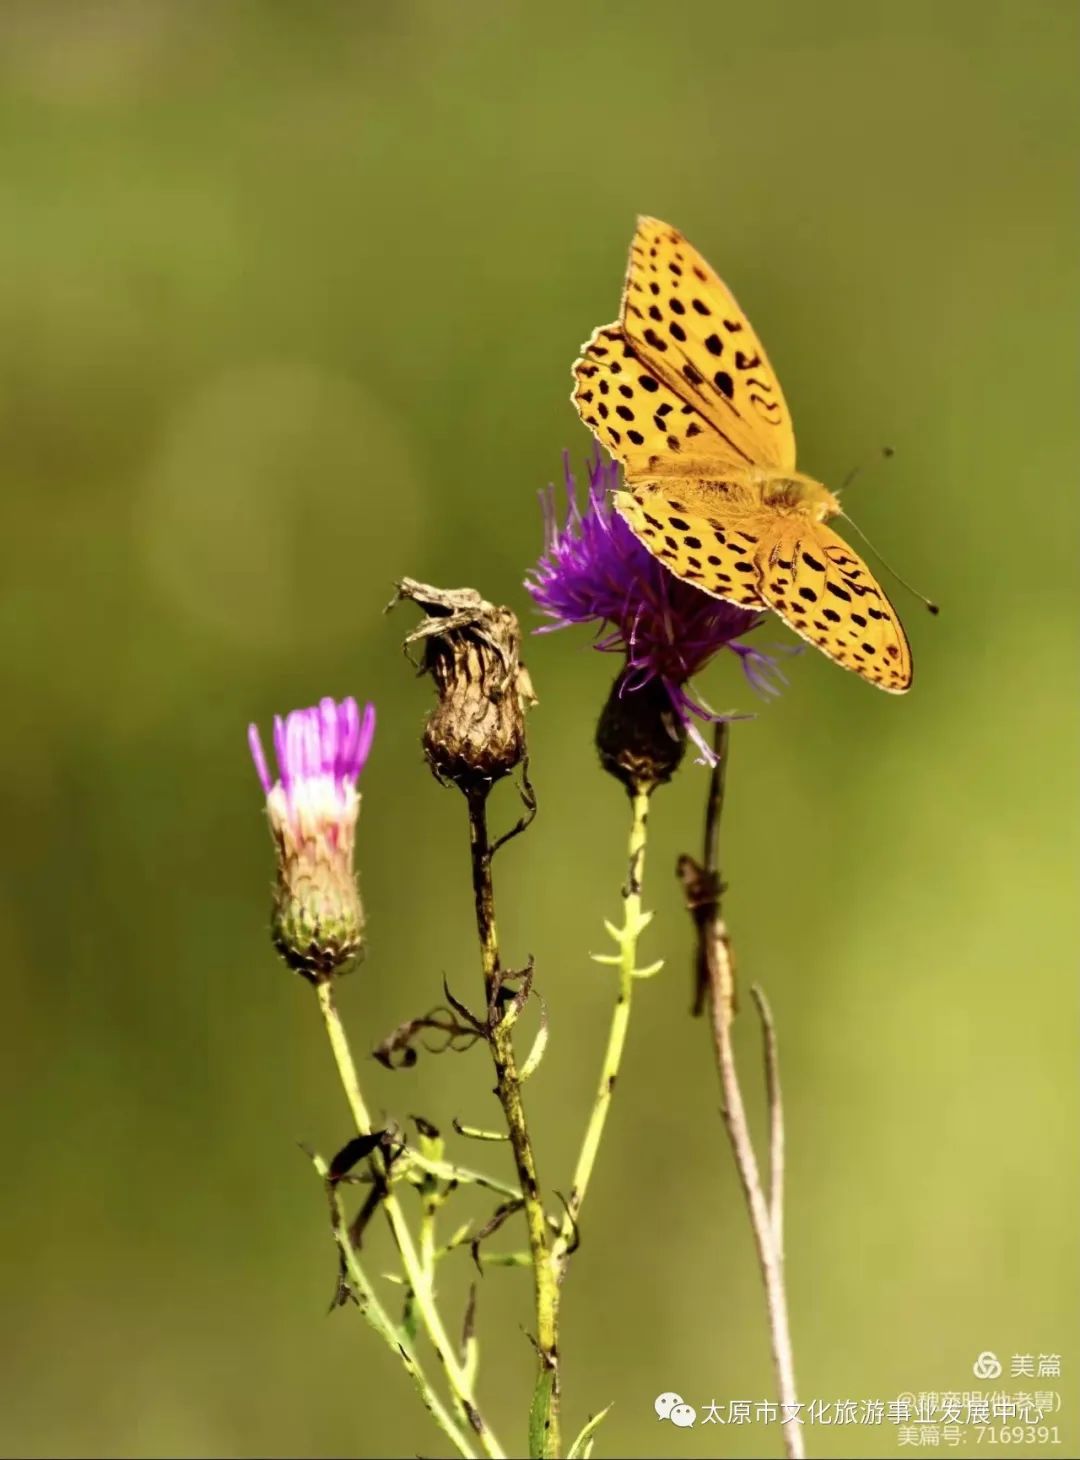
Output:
[[789, 493], [680, 392]]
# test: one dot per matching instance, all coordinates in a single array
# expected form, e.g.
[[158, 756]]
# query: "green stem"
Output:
[[429, 1207], [545, 1441], [463, 1175], [380, 1321], [627, 939], [457, 1378]]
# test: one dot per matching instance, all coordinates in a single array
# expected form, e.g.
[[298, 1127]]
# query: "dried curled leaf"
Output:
[[492, 1225], [352, 1152], [398, 1050], [507, 1003]]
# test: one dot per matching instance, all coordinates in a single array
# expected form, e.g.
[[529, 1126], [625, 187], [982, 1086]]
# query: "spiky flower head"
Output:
[[594, 570], [312, 803]]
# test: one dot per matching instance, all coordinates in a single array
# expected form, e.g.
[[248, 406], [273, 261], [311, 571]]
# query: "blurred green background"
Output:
[[288, 300]]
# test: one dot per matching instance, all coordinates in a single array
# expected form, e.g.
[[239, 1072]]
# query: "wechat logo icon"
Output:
[[669, 1405]]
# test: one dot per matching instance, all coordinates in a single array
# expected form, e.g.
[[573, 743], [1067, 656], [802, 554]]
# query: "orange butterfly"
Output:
[[681, 393]]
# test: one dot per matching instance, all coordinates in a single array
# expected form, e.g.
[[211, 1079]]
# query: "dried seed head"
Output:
[[476, 733], [640, 736]]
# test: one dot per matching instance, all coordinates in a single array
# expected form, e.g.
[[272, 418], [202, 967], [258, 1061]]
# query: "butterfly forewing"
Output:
[[634, 415], [685, 323]]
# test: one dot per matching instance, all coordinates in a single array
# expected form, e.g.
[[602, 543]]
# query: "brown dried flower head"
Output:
[[476, 733]]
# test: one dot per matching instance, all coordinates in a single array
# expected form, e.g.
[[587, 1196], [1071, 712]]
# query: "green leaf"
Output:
[[540, 1415], [581, 1449], [649, 972], [536, 1054]]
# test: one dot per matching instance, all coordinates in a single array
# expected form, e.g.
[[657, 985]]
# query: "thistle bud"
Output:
[[317, 922], [476, 733], [640, 736]]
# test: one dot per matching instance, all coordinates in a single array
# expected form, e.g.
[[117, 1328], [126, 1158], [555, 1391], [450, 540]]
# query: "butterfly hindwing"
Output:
[[823, 590], [686, 325], [713, 552]]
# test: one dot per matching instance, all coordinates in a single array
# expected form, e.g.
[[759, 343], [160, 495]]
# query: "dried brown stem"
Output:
[[773, 1094], [716, 969]]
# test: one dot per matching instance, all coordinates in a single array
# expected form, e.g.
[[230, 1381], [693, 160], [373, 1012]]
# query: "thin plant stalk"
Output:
[[775, 1101], [705, 889], [544, 1425], [463, 1175], [376, 1315], [766, 1235], [626, 937], [458, 1379]]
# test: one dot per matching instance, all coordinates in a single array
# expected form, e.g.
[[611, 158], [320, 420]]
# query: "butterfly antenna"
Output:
[[886, 452], [933, 607]]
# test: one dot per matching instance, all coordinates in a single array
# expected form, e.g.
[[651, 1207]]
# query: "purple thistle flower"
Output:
[[313, 805], [594, 569], [320, 752]]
